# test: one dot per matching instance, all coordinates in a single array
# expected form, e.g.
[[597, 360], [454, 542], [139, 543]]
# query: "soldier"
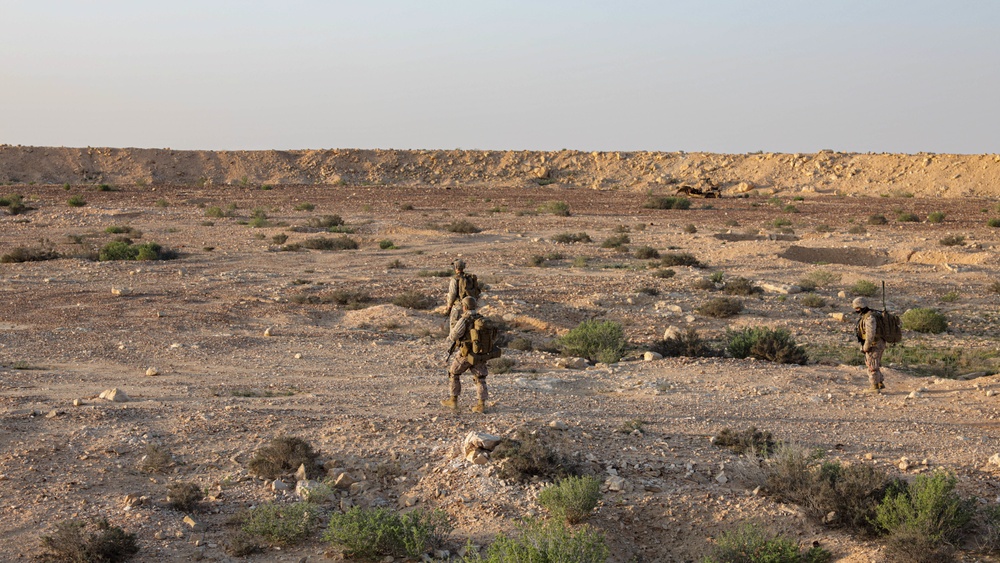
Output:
[[466, 360], [872, 343], [462, 285]]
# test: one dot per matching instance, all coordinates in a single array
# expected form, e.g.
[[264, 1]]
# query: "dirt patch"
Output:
[[845, 256]]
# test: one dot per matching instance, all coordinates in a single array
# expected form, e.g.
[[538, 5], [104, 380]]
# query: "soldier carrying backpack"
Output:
[[476, 338], [874, 330], [462, 285]]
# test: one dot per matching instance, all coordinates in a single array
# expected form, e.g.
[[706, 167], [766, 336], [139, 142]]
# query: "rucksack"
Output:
[[483, 337], [468, 286], [888, 326]]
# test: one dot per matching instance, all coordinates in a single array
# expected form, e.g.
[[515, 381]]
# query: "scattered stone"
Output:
[[269, 331], [672, 333], [995, 459], [115, 395], [615, 483], [479, 441], [904, 464], [442, 554], [558, 425], [721, 478], [572, 363], [300, 473], [651, 356], [774, 287], [193, 524], [278, 486], [133, 499], [120, 291], [52, 414], [359, 487], [839, 317], [311, 490], [343, 481], [990, 392], [298, 356], [479, 458], [78, 402], [152, 371], [408, 500], [914, 395]]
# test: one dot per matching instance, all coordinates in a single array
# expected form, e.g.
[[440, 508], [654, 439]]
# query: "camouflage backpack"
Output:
[[468, 286], [483, 337], [889, 327]]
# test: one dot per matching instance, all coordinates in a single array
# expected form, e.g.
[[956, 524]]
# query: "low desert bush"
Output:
[[720, 307], [950, 297], [368, 533], [122, 250], [994, 287], [570, 238], [520, 343], [386, 244], [536, 260], [907, 217], [749, 543], [668, 203], [156, 459], [330, 243], [544, 541], [76, 201], [924, 320], [184, 496], [572, 499], [646, 253], [280, 238], [501, 365], [877, 219], [935, 217], [76, 541], [305, 206], [679, 259], [922, 520], [530, 454], [14, 204], [994, 223], [740, 286], [864, 287], [325, 222], [617, 241], [462, 226], [690, 229], [687, 344], [781, 223], [282, 455], [857, 230], [24, 254], [952, 240], [763, 343], [749, 442], [790, 209], [413, 299], [812, 300], [819, 278], [557, 208], [434, 273], [664, 273], [601, 341], [280, 524]]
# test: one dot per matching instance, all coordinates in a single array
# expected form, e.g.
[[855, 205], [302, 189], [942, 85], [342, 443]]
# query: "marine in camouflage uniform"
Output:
[[465, 360], [455, 294], [871, 344]]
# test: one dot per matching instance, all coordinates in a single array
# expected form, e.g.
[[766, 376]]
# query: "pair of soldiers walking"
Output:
[[464, 289]]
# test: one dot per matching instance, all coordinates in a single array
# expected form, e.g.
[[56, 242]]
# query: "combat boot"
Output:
[[479, 407], [451, 403], [874, 389], [881, 385]]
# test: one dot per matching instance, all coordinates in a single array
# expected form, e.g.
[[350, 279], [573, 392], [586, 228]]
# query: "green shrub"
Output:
[[462, 226], [99, 542], [687, 344], [616, 241], [330, 243], [214, 211], [570, 238], [156, 459], [820, 278], [857, 230], [122, 250], [749, 543], [258, 218], [281, 524], [763, 343], [280, 238], [23, 254], [950, 297], [721, 307], [435, 273], [76, 201], [580, 261], [305, 206], [530, 454], [413, 299], [14, 204], [740, 286], [864, 287], [924, 320], [572, 498], [813, 300], [690, 229], [925, 516], [386, 244], [679, 259], [935, 217], [705, 284], [371, 532], [668, 203], [646, 253], [520, 343], [994, 223], [325, 222], [750, 441], [544, 542], [558, 208], [285, 454], [536, 260], [877, 219], [184, 496], [952, 240], [664, 273], [790, 209], [602, 341], [781, 222], [907, 217], [501, 365]]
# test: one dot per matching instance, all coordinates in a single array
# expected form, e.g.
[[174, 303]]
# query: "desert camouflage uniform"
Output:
[[466, 361], [873, 347], [454, 302]]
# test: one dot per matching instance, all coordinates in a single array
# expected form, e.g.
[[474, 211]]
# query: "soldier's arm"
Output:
[[457, 331], [452, 292], [870, 335]]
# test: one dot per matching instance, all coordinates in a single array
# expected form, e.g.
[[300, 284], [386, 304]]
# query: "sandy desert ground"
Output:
[[246, 347]]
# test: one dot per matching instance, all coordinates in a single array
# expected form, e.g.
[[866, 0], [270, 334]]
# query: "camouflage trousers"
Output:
[[460, 365], [873, 361]]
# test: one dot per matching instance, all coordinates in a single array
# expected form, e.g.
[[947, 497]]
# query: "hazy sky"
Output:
[[700, 75]]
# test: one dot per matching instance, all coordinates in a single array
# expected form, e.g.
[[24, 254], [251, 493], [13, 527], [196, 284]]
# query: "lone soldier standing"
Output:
[[462, 285], [872, 344], [466, 360]]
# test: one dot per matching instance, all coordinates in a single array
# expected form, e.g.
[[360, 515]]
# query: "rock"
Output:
[[558, 425], [115, 395], [479, 458], [990, 392], [301, 474], [52, 414], [78, 402], [343, 481], [311, 490], [120, 291], [672, 333], [914, 395], [359, 487], [572, 363], [839, 317], [193, 524], [269, 331], [133, 499], [479, 441], [152, 371], [774, 287], [615, 483], [442, 554], [995, 459], [409, 500], [651, 356], [721, 478], [830, 518], [904, 464], [278, 485]]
